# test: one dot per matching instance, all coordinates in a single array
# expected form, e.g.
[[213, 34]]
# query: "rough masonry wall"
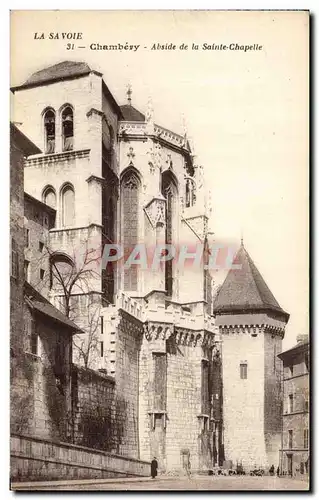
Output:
[[273, 397], [39, 389], [128, 345], [34, 459], [17, 234], [243, 401], [183, 405]]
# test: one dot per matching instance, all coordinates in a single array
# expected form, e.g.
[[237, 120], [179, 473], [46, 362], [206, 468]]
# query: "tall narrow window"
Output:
[[26, 237], [49, 197], [130, 186], [306, 438], [205, 389], [290, 439], [169, 191], [27, 270], [49, 130], [68, 214], [14, 258], [291, 403], [190, 196], [307, 362], [67, 129], [160, 370], [243, 370]]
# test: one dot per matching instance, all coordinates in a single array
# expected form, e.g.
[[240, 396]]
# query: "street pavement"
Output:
[[195, 483]]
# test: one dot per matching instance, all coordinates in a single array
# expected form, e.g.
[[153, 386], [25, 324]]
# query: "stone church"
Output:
[[116, 177]]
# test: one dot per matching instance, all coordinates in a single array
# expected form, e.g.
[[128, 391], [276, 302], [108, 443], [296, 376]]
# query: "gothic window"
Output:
[[169, 191], [49, 131], [49, 197], [68, 213], [130, 186], [67, 129], [190, 196]]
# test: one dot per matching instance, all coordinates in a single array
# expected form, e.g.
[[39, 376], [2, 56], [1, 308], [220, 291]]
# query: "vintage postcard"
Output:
[[159, 250]]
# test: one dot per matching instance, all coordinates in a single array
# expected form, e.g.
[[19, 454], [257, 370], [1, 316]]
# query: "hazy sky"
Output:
[[246, 113]]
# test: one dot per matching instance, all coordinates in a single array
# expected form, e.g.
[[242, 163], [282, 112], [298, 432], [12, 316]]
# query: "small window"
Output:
[[41, 246], [34, 342], [243, 370], [290, 439], [307, 362], [291, 403], [306, 438], [102, 348], [42, 272], [102, 325], [306, 405], [14, 259], [26, 237], [27, 270]]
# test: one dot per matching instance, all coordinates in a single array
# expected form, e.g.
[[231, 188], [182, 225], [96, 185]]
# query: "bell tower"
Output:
[[252, 325]]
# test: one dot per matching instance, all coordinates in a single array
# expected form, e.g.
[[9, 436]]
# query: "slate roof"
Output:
[[43, 306], [132, 114], [296, 349], [245, 290], [61, 71], [27, 146]]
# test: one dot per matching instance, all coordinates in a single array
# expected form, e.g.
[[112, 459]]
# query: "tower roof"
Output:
[[61, 71], [245, 290], [132, 114]]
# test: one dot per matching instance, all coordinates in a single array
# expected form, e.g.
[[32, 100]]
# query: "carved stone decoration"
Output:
[[149, 118], [155, 211], [130, 324], [169, 161], [152, 168], [155, 154], [131, 155], [158, 331], [198, 225]]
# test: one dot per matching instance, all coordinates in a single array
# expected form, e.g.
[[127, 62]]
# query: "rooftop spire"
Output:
[[129, 94], [241, 237]]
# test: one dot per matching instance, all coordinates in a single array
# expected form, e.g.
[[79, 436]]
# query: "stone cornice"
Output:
[[57, 157], [94, 111], [157, 330], [138, 131], [253, 329]]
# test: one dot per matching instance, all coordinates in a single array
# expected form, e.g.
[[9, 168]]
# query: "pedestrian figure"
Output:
[[278, 471], [272, 470], [154, 467]]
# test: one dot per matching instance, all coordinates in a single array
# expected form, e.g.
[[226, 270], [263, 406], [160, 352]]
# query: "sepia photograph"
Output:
[[159, 250]]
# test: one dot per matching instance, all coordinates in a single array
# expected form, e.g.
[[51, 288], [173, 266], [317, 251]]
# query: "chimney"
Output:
[[302, 339]]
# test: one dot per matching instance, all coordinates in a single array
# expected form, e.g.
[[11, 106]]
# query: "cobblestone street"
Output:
[[232, 483]]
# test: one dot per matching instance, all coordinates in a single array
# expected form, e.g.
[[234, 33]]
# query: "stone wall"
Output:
[[35, 459], [40, 383], [243, 399]]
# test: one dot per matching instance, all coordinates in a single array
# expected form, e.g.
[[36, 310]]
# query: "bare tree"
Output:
[[69, 284]]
